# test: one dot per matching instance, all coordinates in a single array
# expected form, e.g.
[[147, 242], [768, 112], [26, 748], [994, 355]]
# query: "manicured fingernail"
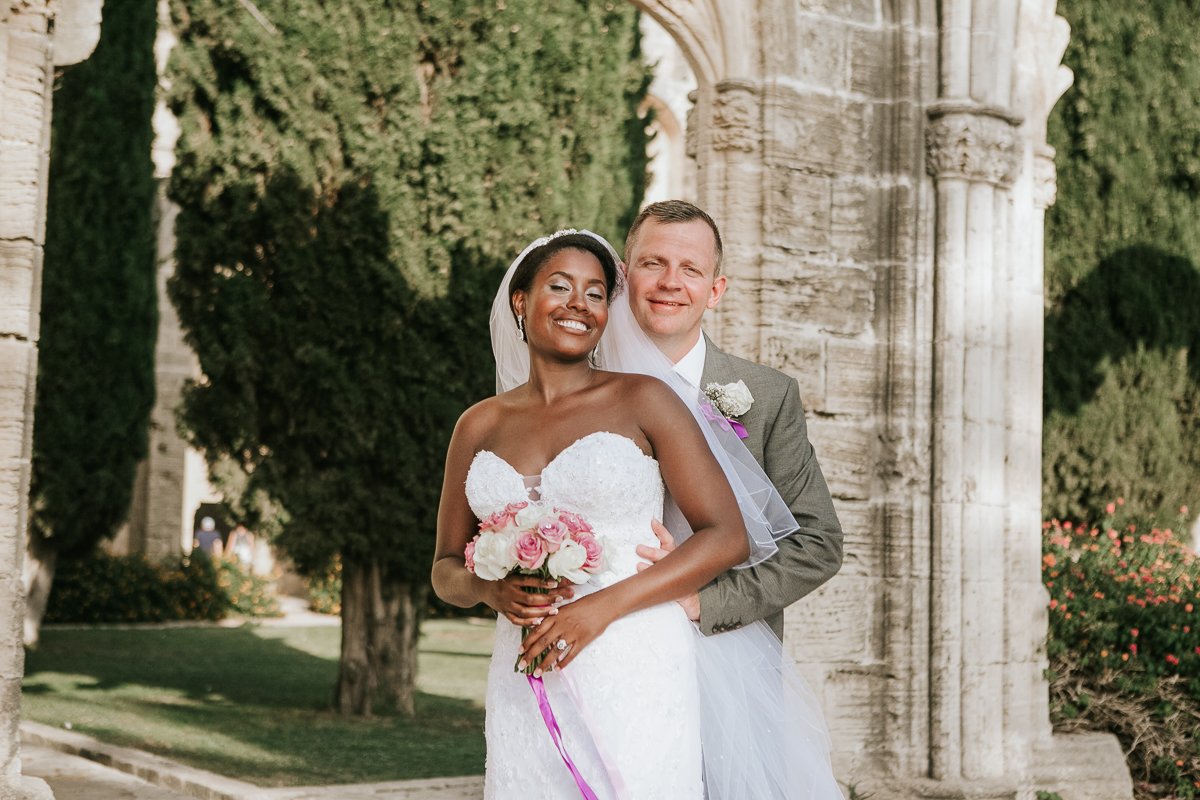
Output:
[[521, 664], [537, 673], [558, 598], [552, 611], [552, 585]]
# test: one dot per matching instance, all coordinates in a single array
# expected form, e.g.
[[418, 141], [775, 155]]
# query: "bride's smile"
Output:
[[565, 309]]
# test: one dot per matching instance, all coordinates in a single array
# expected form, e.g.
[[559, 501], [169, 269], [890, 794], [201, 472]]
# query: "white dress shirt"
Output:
[[691, 366]]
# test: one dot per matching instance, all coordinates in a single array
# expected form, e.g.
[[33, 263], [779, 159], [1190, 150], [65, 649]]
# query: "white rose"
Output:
[[529, 516], [567, 563], [737, 398], [495, 555]]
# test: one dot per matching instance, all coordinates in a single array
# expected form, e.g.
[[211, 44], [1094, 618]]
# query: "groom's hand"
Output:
[[666, 543]]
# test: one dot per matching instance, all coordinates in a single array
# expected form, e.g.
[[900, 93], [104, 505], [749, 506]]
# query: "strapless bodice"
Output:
[[604, 477]]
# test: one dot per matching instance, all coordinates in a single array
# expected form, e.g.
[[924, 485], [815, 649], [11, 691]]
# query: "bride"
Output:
[[644, 705]]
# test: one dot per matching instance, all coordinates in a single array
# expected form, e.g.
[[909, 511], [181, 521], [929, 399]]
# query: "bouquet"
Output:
[[530, 538]]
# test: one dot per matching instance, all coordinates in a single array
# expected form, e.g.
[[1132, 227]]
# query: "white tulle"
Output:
[[763, 736]]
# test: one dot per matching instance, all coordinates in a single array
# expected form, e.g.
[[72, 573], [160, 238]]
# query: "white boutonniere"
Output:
[[731, 400]]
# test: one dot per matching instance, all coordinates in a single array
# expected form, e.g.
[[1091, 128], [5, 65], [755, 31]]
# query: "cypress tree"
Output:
[[353, 179], [1122, 369], [95, 380]]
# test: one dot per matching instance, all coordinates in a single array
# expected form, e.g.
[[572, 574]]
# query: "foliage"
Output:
[[1122, 368], [325, 589], [105, 588], [1124, 642], [352, 180], [252, 702], [1123, 594], [95, 379]]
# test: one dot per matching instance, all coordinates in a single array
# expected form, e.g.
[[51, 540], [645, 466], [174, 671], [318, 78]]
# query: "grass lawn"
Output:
[[254, 702]]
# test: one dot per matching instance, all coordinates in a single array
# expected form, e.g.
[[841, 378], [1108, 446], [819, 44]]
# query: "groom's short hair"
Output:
[[669, 211]]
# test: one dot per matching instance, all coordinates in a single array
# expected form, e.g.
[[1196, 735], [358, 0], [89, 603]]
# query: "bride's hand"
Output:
[[577, 624], [511, 598]]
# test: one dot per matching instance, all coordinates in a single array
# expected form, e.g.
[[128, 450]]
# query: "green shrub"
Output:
[[105, 589], [1122, 367], [99, 311]]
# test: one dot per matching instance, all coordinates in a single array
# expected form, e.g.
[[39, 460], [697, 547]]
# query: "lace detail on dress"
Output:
[[637, 681]]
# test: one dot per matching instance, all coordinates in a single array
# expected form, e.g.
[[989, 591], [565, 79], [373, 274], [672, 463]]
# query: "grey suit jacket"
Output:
[[778, 440]]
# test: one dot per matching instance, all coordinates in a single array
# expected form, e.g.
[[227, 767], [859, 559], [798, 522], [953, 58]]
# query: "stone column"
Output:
[[973, 158], [725, 131], [35, 37]]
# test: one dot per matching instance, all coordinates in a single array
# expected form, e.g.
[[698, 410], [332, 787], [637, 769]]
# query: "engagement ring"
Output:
[[561, 645]]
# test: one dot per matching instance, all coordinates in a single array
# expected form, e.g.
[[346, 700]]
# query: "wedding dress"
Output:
[[628, 704]]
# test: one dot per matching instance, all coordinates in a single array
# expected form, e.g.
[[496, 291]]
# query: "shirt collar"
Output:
[[691, 366]]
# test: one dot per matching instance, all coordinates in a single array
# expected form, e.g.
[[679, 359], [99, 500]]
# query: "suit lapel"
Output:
[[718, 367]]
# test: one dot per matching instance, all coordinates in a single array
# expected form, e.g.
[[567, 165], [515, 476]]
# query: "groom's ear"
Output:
[[718, 289]]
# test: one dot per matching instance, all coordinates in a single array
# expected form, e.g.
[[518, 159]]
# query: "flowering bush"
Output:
[[1121, 595], [1123, 643]]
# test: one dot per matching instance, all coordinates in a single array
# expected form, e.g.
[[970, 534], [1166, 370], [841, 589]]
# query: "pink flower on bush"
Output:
[[531, 550], [1172, 660]]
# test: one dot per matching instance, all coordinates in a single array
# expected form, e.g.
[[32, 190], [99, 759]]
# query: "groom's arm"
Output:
[[806, 558]]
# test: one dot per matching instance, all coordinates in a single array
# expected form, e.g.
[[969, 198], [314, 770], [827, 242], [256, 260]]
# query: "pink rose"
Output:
[[574, 522], [591, 546], [469, 553], [552, 532], [531, 552]]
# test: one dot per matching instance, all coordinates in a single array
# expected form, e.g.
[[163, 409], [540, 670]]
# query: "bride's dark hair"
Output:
[[535, 259]]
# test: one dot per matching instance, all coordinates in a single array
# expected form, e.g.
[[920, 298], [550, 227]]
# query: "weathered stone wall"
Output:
[[28, 54]]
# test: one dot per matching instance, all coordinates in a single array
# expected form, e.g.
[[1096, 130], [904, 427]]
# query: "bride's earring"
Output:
[[521, 327]]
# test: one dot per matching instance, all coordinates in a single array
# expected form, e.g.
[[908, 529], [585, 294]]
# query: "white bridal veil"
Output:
[[763, 735]]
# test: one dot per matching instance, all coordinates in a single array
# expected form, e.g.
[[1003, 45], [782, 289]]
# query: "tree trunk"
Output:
[[37, 574], [380, 619]]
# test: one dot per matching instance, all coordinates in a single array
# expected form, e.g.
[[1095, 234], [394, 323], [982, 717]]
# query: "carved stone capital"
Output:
[[975, 142], [736, 121], [1045, 178]]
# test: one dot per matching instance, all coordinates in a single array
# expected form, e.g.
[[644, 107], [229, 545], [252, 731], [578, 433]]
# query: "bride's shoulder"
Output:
[[641, 391], [643, 385], [480, 418]]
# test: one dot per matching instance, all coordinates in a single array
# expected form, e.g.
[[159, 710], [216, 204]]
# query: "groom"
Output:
[[673, 261]]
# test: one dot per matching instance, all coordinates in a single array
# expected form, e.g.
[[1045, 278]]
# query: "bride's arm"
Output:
[[698, 485], [456, 524]]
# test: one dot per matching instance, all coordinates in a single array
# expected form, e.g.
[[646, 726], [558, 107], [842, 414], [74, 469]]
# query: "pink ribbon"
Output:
[[539, 691], [729, 423]]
